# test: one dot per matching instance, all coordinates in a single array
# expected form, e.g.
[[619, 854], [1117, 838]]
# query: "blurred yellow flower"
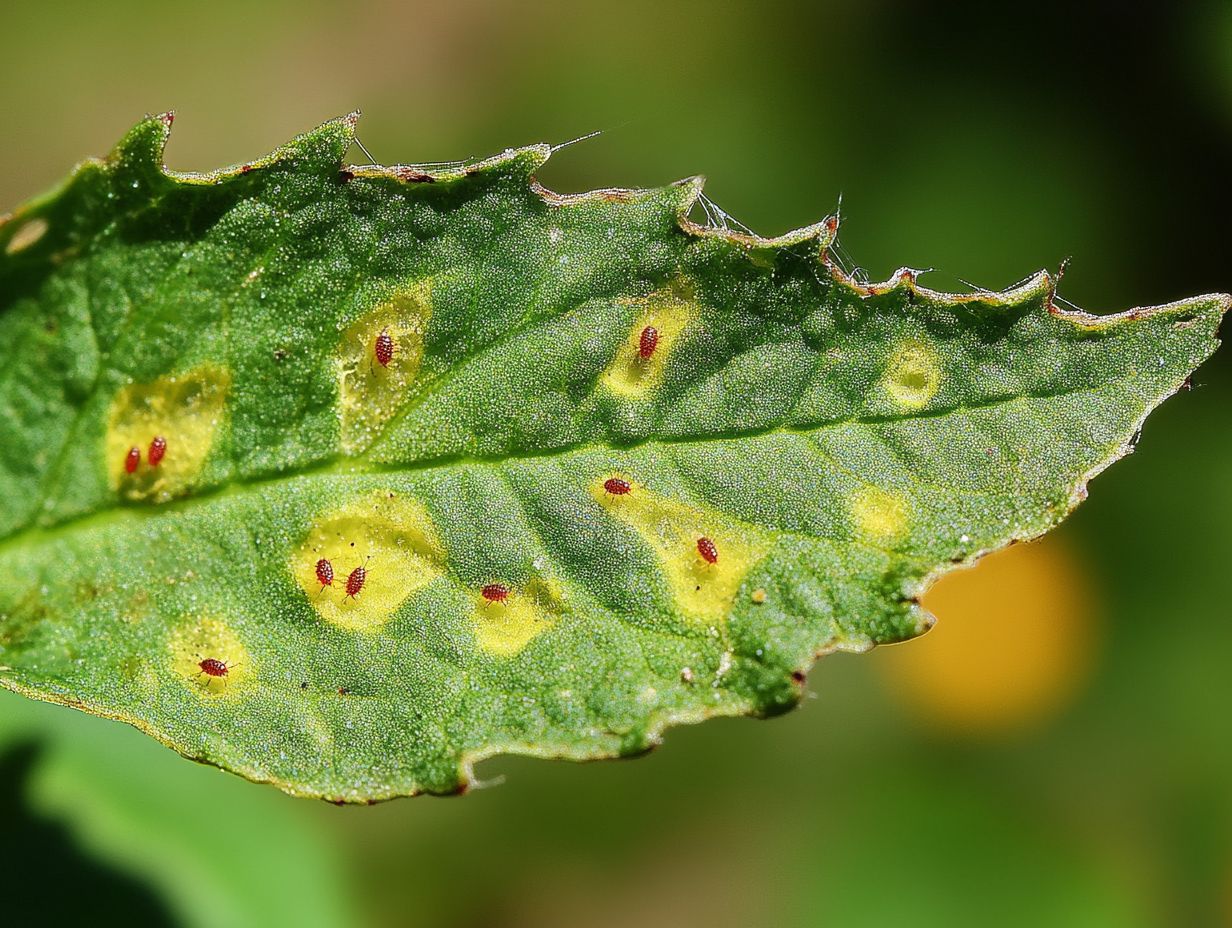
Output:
[[1014, 642]]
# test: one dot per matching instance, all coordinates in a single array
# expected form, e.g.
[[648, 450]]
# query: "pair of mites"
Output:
[[157, 450], [383, 346], [355, 579], [706, 548]]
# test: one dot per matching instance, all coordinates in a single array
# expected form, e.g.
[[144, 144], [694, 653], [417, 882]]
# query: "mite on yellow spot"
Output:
[[913, 375], [378, 359], [708, 550], [637, 368], [617, 486], [210, 658], [879, 514], [176, 419], [507, 620], [704, 555], [386, 548]]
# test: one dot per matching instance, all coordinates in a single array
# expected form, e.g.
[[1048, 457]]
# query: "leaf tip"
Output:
[[325, 146], [143, 145], [689, 191], [518, 162]]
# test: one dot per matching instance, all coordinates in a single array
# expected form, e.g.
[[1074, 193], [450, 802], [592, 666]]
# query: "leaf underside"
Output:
[[435, 377]]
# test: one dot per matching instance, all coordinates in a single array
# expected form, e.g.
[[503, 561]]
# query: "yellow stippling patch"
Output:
[[636, 371], [390, 538], [504, 628], [879, 514], [682, 537], [159, 434], [913, 375], [210, 657], [378, 360]]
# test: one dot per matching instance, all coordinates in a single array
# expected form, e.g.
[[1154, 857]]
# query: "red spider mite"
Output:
[[212, 666], [214, 669], [158, 447], [495, 592], [616, 486], [384, 348], [132, 460], [648, 342], [325, 573], [356, 580], [706, 548]]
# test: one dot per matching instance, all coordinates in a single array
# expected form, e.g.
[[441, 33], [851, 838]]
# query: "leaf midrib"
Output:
[[361, 466]]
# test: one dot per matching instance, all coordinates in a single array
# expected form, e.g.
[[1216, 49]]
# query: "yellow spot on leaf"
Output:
[[1015, 638], [703, 592], [186, 411], [669, 312], [878, 514], [209, 638], [503, 629], [26, 235], [913, 376], [392, 537], [369, 393]]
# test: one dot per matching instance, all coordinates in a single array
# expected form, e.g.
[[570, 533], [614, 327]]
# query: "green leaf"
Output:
[[217, 853], [837, 445]]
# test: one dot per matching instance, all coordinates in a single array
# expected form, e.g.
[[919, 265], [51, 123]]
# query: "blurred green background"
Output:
[[1057, 752]]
